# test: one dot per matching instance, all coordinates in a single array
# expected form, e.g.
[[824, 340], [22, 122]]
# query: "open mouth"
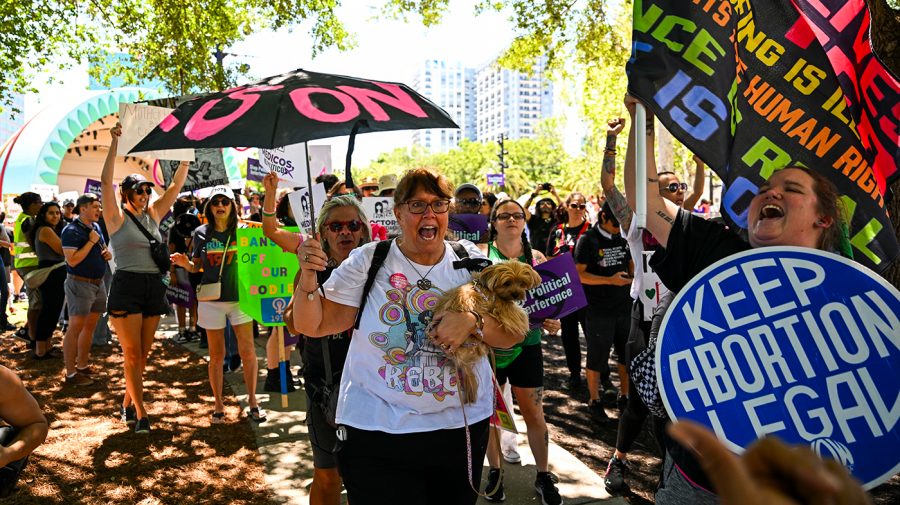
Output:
[[428, 232], [345, 242], [770, 213]]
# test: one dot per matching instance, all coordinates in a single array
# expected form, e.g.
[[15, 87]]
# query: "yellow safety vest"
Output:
[[25, 255]]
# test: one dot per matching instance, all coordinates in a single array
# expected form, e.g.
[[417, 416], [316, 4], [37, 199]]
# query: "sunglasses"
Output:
[[215, 202], [142, 190], [675, 186], [518, 216], [338, 226], [577, 206], [470, 202]]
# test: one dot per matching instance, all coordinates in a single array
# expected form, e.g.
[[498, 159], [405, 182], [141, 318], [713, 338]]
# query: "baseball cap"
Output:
[[468, 186], [67, 202], [386, 182], [133, 180], [223, 191], [369, 182]]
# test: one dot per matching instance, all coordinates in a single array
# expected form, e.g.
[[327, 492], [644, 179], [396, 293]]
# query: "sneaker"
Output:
[[129, 416], [495, 480], [142, 425], [609, 389], [78, 380], [22, 335], [235, 363], [572, 384], [183, 336], [615, 474], [273, 382], [511, 455], [8, 327], [598, 413], [622, 402], [203, 343], [544, 485], [89, 372]]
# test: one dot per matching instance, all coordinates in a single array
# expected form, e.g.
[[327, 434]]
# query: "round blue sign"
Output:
[[795, 342]]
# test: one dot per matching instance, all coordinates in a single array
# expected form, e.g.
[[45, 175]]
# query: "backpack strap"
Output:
[[473, 265], [381, 252]]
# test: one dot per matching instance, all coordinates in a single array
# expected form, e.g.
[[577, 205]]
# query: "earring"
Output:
[[820, 223]]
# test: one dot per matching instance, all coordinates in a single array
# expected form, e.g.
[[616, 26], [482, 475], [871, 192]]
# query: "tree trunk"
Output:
[[885, 27]]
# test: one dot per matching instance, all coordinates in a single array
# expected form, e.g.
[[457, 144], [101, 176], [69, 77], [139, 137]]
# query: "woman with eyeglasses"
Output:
[[562, 240], [215, 249], [343, 226], [523, 364], [137, 295], [400, 409]]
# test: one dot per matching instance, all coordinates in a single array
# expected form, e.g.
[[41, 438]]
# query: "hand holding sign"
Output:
[[769, 473], [311, 255]]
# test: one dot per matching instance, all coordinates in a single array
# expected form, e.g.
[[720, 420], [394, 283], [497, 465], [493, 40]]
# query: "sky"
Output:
[[386, 50]]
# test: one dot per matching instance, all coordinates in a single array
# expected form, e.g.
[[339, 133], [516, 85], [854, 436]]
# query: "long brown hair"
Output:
[[211, 219]]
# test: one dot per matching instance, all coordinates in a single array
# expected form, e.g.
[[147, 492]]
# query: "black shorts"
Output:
[[639, 334], [604, 330], [322, 436], [373, 465], [136, 293], [526, 371]]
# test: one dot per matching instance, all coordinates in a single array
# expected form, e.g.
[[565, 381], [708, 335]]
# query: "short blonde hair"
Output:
[[344, 201]]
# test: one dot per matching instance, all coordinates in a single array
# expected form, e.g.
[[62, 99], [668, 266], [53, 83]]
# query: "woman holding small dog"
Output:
[[399, 412], [523, 365]]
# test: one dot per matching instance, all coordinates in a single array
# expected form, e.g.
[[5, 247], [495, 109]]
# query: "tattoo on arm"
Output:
[[620, 207], [610, 141], [649, 127], [651, 179], [609, 165], [665, 217]]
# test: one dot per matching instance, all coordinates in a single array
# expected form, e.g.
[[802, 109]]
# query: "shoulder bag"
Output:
[[158, 250], [212, 292]]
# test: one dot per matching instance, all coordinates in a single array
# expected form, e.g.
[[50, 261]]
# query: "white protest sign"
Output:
[[47, 191], [381, 210], [138, 121], [652, 288], [795, 342], [320, 160], [289, 162], [300, 206]]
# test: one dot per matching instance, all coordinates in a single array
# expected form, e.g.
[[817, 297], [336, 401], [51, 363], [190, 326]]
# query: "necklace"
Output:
[[424, 283]]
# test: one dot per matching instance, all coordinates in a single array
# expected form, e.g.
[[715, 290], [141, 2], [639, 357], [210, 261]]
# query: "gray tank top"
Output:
[[45, 252], [131, 249]]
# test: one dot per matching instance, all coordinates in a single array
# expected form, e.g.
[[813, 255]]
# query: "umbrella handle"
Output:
[[348, 175]]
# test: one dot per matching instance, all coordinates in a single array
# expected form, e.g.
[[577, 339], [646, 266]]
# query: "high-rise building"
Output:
[[11, 122], [450, 85], [511, 103]]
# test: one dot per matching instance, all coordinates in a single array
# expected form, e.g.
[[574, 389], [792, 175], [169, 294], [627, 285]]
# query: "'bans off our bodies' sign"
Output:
[[794, 342], [559, 294], [266, 273]]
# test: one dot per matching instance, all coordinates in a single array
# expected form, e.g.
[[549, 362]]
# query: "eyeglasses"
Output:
[[419, 207], [675, 186], [577, 206], [469, 202], [518, 216], [142, 190], [338, 226]]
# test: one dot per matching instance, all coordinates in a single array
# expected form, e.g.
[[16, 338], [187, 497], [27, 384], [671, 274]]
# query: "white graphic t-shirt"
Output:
[[395, 379], [646, 286]]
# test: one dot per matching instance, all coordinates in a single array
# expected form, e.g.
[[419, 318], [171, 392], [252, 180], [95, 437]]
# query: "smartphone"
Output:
[[546, 186]]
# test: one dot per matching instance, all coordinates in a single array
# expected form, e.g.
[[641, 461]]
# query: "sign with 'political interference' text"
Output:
[[472, 227], [793, 342], [559, 294]]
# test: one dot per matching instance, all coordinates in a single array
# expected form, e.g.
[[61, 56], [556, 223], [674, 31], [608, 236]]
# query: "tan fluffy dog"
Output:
[[494, 291]]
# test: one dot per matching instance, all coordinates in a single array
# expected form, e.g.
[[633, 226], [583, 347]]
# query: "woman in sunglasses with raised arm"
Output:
[[562, 240], [342, 226], [215, 249], [137, 295]]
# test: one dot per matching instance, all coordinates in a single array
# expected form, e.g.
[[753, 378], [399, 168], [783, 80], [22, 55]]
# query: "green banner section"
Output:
[[266, 276]]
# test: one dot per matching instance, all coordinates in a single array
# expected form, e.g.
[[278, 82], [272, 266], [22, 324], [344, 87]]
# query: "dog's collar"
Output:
[[479, 291]]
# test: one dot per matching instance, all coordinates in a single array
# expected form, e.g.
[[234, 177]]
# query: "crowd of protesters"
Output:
[[105, 255]]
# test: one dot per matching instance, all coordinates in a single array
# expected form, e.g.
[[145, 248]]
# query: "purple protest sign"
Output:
[[180, 294], [468, 226], [559, 294], [496, 179], [165, 225], [92, 186], [255, 171]]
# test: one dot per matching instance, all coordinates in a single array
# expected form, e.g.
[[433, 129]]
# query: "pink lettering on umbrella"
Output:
[[397, 98], [168, 123], [199, 128], [305, 106]]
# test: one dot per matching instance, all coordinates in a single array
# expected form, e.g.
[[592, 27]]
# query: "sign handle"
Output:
[[282, 366], [309, 185], [640, 165]]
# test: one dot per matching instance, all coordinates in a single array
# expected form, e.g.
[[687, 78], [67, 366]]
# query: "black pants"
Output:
[[54, 291], [571, 343], [4, 295], [632, 419], [414, 468]]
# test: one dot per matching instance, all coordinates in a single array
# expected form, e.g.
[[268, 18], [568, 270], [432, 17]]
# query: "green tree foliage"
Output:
[[168, 40]]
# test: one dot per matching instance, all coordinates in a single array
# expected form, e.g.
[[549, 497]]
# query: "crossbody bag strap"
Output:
[[328, 376], [471, 264], [381, 252], [137, 223], [222, 265]]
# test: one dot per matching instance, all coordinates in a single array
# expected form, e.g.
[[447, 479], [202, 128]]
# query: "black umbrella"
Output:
[[295, 107]]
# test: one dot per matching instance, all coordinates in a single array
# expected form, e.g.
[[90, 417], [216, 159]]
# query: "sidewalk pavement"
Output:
[[286, 454]]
